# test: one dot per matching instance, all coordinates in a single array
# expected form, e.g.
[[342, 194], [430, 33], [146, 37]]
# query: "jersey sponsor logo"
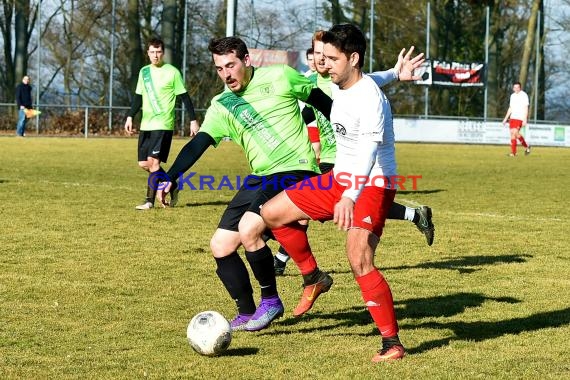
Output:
[[251, 120], [267, 90], [339, 129]]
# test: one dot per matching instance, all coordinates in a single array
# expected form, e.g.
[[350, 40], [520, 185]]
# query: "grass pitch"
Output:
[[90, 288]]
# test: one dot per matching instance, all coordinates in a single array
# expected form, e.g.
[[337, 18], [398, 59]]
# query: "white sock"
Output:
[[410, 213], [282, 257]]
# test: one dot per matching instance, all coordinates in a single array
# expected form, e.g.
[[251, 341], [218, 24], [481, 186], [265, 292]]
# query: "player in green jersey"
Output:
[[259, 110], [158, 86]]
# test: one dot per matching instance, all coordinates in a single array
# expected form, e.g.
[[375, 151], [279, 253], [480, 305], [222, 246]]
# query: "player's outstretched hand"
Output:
[[162, 191], [406, 66]]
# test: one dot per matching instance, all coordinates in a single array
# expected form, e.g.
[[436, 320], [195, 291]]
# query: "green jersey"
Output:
[[159, 87], [265, 120], [326, 133]]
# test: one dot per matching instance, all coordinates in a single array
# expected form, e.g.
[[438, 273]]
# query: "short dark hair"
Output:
[[519, 83], [348, 39], [310, 51], [227, 45], [155, 42]]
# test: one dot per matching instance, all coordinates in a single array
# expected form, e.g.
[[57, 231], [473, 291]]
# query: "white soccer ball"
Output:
[[209, 333]]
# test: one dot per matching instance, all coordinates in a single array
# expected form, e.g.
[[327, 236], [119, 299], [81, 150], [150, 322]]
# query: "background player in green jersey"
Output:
[[158, 86], [259, 110]]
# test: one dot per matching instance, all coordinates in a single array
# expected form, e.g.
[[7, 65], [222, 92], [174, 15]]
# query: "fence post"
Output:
[[86, 121]]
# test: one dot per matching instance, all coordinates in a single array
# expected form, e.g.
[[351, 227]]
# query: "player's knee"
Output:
[[219, 247], [214, 245], [224, 243], [251, 233]]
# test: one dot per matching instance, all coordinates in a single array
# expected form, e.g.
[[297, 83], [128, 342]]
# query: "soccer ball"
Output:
[[209, 333]]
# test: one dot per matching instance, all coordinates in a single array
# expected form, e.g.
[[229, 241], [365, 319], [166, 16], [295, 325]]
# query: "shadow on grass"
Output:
[[214, 203], [420, 191], [440, 306], [466, 264], [243, 351], [479, 331], [444, 306]]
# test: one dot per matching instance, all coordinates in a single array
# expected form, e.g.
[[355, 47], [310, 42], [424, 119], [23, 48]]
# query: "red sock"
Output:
[[293, 237], [378, 298], [514, 146], [523, 143]]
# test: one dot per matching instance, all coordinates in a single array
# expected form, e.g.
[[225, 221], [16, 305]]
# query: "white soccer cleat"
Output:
[[144, 206]]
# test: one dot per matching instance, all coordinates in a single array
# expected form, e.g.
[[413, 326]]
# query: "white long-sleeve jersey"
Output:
[[361, 117]]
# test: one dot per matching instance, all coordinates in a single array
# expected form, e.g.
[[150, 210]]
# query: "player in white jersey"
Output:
[[517, 114], [357, 194], [402, 71]]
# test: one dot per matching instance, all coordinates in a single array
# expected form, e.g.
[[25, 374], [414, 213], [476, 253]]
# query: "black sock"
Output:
[[313, 277], [233, 274], [416, 217], [397, 211], [152, 185], [390, 341], [261, 262]]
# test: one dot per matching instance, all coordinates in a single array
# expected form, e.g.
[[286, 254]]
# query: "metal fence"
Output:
[[81, 121], [99, 121]]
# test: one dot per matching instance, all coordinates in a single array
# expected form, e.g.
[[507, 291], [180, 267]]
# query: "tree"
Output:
[[529, 42], [168, 30], [15, 66], [134, 42]]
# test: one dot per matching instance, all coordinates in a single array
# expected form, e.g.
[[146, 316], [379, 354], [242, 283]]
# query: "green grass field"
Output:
[[90, 288]]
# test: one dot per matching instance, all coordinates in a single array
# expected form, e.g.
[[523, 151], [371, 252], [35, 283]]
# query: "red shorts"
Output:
[[515, 124], [317, 196], [313, 133]]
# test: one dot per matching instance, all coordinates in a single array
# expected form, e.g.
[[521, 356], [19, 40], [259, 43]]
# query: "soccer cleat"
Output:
[[145, 206], [279, 266], [393, 352], [512, 154], [312, 292], [527, 151], [239, 322], [268, 310], [424, 224], [174, 191]]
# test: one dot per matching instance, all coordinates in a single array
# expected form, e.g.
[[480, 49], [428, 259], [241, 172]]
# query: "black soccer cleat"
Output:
[[279, 266], [424, 223]]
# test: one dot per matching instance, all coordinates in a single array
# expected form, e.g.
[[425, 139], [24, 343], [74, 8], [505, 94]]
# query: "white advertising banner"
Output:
[[476, 132]]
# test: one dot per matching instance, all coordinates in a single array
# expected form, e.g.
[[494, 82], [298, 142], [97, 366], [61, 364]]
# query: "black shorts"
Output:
[[325, 167], [154, 144], [255, 191]]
